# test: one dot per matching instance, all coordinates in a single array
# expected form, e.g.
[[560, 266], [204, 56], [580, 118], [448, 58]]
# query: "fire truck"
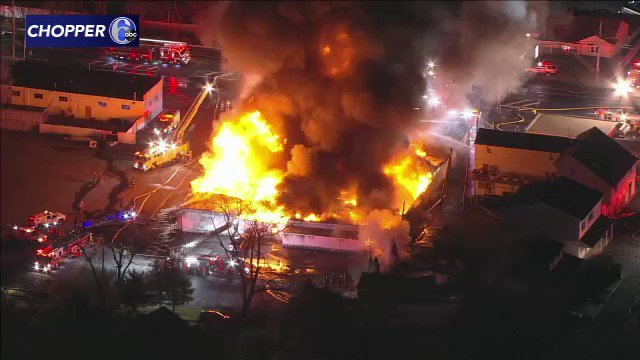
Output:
[[169, 52], [51, 256], [544, 67], [161, 152]]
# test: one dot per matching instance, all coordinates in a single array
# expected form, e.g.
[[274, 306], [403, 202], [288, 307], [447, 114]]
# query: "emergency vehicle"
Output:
[[544, 67], [634, 78], [46, 218], [50, 257], [170, 52], [167, 121], [617, 115], [159, 153], [27, 233]]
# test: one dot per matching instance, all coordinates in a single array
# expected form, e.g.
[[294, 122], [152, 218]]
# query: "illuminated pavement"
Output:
[[548, 93]]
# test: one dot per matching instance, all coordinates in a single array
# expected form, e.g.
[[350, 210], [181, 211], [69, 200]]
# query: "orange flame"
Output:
[[409, 175], [241, 164], [238, 165]]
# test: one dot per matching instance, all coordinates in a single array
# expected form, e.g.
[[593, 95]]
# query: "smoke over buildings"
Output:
[[340, 80]]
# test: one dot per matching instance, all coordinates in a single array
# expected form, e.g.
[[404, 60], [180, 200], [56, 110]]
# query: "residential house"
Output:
[[601, 163], [505, 161], [583, 35], [566, 211]]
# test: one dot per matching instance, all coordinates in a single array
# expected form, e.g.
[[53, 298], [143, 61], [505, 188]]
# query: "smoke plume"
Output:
[[341, 81], [485, 48]]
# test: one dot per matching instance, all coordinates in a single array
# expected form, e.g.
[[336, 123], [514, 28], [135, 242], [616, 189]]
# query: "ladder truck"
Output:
[[165, 51], [161, 151]]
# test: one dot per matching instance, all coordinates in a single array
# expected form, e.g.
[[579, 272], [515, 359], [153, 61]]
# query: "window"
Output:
[[590, 216], [63, 98], [125, 107], [155, 98], [488, 150], [102, 103], [582, 225], [15, 93], [595, 49], [37, 96]]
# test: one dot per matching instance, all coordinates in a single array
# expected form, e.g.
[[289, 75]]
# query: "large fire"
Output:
[[241, 164], [408, 172]]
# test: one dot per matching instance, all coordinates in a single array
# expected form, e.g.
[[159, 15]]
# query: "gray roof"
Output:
[[47, 76], [603, 156], [564, 194], [536, 142], [567, 126]]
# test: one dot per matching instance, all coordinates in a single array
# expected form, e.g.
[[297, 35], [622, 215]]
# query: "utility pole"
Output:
[[598, 60], [13, 35]]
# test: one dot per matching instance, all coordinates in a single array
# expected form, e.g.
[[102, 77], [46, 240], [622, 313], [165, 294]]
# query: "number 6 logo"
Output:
[[119, 29]]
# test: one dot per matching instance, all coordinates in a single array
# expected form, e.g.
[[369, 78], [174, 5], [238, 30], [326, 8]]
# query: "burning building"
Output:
[[326, 132]]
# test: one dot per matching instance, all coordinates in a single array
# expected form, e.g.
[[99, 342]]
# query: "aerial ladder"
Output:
[[160, 151]]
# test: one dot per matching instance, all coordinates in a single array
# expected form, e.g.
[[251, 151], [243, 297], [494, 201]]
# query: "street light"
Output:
[[622, 88]]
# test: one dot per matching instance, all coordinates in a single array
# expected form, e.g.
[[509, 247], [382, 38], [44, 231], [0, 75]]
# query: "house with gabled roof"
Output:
[[601, 163]]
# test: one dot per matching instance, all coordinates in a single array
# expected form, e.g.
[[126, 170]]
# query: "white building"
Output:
[[566, 211], [105, 101]]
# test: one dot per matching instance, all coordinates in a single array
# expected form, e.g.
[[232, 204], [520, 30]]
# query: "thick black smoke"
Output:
[[342, 79]]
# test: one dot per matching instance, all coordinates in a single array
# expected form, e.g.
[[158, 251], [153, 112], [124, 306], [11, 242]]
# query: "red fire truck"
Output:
[[50, 257], [169, 52]]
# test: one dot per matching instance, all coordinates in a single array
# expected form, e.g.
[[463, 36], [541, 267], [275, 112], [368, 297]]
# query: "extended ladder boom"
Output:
[[190, 114]]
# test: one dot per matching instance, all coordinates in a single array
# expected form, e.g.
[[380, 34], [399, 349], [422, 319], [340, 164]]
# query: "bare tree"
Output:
[[256, 238], [124, 249], [244, 241], [90, 251]]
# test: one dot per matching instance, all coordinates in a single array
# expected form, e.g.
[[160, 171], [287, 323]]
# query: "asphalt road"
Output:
[[546, 92]]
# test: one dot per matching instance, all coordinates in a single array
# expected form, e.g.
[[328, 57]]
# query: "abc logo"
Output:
[[122, 30]]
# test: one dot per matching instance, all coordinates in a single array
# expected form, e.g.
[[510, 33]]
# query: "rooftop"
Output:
[[567, 126], [564, 194], [603, 156], [46, 76], [516, 140]]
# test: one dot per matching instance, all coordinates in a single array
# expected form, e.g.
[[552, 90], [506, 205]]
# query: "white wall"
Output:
[[571, 168], [82, 106], [153, 101], [322, 242]]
